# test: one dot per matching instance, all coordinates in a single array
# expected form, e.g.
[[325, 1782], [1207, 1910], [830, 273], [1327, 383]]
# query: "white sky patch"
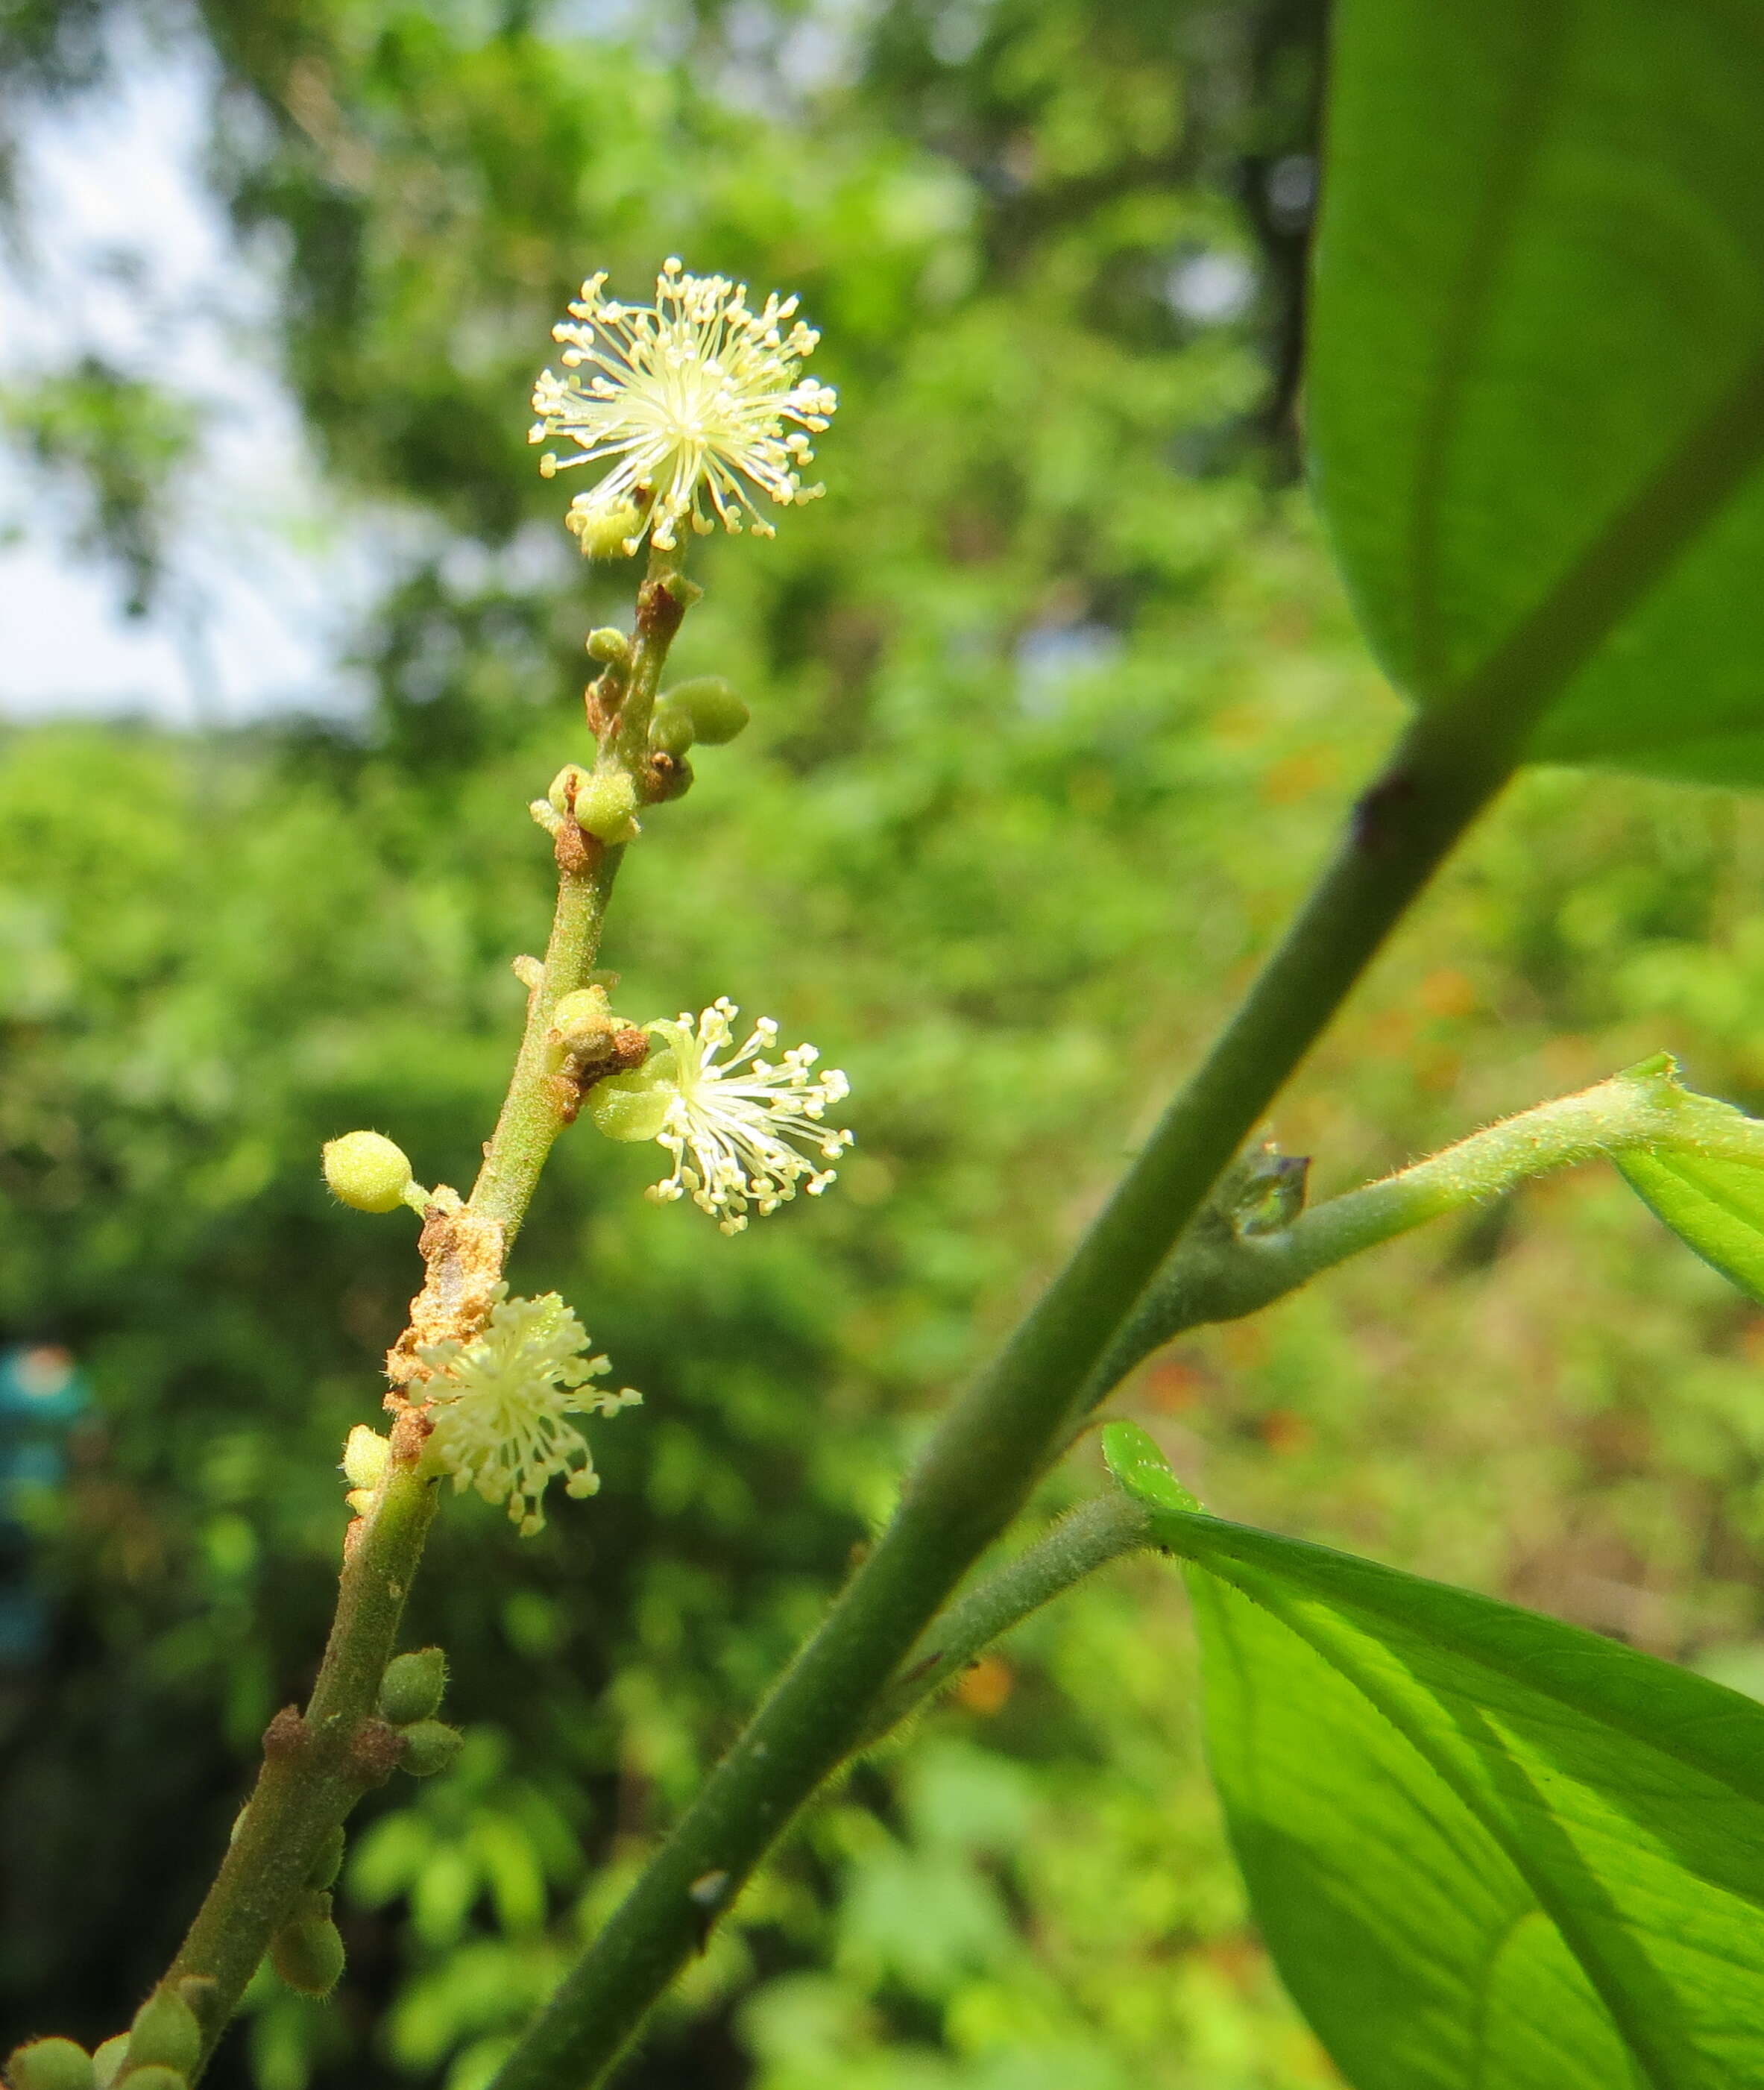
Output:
[[129, 257], [1211, 287]]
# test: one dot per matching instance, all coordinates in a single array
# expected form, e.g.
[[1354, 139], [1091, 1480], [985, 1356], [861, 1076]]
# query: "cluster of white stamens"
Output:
[[497, 1406], [689, 396], [737, 1127]]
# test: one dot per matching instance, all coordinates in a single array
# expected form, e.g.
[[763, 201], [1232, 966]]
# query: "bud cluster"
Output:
[[409, 1698], [161, 2050]]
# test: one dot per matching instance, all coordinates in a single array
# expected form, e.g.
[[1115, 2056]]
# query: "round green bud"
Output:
[[671, 730], [716, 712], [430, 1746], [50, 2064], [322, 1872], [633, 1108], [584, 1019], [412, 1686], [165, 2030], [366, 1170], [308, 1954], [153, 2075], [107, 2059], [609, 645], [366, 1456], [605, 804], [604, 533]]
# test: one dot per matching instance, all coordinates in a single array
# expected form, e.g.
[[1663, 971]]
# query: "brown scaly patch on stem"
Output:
[[376, 1750], [463, 1251], [575, 849], [621, 1051]]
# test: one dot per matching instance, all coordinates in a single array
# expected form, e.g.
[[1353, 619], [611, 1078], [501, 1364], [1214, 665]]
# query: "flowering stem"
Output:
[[534, 1111], [537, 1106], [317, 1766]]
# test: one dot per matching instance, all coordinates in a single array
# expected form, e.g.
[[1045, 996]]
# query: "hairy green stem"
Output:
[[317, 1766], [1218, 1273], [536, 1107], [1078, 1545]]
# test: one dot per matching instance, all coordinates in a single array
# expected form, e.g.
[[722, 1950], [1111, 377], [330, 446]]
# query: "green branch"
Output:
[[318, 1764], [536, 1109], [990, 1450], [985, 1457], [1078, 1545], [1219, 1271]]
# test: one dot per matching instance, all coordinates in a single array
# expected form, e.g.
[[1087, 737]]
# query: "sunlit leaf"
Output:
[[1537, 397], [1488, 1851], [1716, 1207]]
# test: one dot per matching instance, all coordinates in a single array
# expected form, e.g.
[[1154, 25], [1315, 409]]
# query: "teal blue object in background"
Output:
[[43, 1397]]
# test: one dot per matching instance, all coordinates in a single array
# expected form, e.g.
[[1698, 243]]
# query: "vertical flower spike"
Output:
[[737, 1127], [688, 398], [496, 1406]]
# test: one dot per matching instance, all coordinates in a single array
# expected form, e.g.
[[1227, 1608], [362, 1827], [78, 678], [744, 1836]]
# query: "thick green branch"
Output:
[[1219, 1273], [989, 1453], [985, 1457]]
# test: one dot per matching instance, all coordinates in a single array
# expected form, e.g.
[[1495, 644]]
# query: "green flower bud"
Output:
[[155, 2076], [50, 2064], [308, 1954], [365, 1169], [322, 1872], [633, 1107], [584, 1019], [107, 2059], [604, 533], [710, 702], [429, 1746], [366, 1456], [609, 645], [412, 1686], [165, 2030], [671, 730], [605, 804]]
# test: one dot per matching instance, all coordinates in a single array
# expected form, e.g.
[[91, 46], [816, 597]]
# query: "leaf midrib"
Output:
[[1393, 1614]]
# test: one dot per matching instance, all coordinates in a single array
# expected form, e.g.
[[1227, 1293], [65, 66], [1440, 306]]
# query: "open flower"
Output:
[[689, 398], [497, 1406], [741, 1128]]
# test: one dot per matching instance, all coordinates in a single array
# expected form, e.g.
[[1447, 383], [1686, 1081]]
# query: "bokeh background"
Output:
[[1057, 702]]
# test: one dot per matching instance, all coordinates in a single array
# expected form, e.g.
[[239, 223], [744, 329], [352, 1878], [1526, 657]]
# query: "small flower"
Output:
[[497, 1406], [737, 1127], [690, 397]]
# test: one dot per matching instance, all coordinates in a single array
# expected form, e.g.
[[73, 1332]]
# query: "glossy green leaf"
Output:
[[1716, 1207], [1488, 1851], [1537, 375]]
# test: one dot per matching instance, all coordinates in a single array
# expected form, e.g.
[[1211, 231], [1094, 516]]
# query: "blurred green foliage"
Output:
[[1056, 702]]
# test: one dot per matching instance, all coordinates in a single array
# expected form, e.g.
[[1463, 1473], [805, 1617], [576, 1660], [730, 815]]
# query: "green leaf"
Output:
[[1716, 1207], [1536, 390], [1488, 1851]]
